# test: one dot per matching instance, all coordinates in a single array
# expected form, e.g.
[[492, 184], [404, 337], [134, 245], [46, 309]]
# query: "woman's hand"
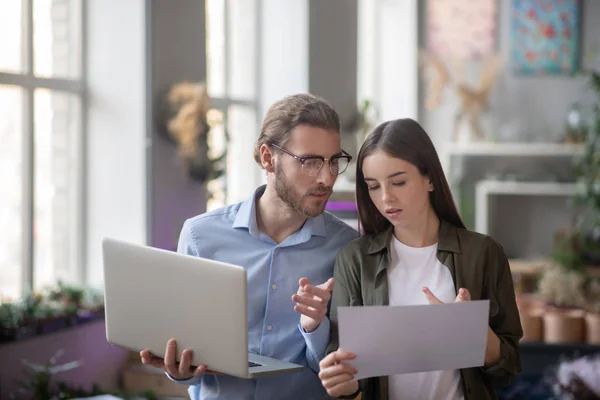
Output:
[[336, 376], [493, 348], [463, 295]]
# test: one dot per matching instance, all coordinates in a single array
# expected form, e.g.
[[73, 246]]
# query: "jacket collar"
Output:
[[447, 239]]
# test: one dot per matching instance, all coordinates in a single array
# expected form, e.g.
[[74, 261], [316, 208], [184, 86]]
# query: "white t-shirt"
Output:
[[412, 268]]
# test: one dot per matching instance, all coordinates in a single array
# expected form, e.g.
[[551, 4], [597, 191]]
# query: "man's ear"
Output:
[[267, 158]]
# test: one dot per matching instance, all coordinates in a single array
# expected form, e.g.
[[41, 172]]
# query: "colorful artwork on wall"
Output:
[[545, 36], [461, 28]]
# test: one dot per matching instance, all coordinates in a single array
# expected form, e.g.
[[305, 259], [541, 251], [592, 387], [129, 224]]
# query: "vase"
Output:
[[575, 125], [564, 325], [531, 312], [592, 328]]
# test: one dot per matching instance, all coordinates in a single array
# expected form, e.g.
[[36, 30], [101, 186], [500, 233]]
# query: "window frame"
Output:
[[226, 100], [28, 83]]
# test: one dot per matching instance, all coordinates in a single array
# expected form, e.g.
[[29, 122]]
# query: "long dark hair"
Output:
[[407, 140]]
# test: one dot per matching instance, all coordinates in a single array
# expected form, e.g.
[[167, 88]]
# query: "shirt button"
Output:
[[274, 286], [269, 328]]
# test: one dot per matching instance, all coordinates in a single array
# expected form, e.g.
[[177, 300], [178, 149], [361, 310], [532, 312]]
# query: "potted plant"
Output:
[[68, 299], [92, 305], [562, 287], [592, 315], [31, 308], [563, 319], [592, 324], [50, 317], [40, 383], [10, 319], [531, 311], [67, 295]]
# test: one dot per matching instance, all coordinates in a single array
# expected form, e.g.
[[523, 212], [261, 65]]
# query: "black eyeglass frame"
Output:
[[302, 160]]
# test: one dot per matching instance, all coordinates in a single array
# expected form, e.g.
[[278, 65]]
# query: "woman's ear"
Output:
[[431, 188], [267, 158]]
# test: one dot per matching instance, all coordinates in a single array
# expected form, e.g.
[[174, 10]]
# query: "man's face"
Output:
[[303, 189]]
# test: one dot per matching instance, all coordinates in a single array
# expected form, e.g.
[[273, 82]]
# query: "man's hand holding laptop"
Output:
[[177, 370]]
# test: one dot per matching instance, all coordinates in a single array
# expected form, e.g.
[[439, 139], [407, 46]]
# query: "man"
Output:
[[288, 245]]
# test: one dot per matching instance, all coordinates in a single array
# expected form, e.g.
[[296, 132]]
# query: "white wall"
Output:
[[116, 143], [516, 98]]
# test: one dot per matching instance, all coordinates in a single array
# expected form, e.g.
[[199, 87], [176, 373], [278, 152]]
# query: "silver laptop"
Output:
[[152, 295]]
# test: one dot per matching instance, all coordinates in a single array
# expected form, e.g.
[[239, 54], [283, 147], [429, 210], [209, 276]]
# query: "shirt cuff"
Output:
[[317, 340], [194, 380]]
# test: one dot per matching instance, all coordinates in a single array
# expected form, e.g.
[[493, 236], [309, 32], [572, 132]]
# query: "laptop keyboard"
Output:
[[253, 364]]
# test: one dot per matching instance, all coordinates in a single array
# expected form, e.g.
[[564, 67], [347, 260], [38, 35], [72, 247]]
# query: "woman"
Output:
[[416, 250]]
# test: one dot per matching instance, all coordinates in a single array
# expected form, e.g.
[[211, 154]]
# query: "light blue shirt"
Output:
[[231, 234]]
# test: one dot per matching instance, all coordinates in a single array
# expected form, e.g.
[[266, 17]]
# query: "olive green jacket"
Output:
[[476, 263]]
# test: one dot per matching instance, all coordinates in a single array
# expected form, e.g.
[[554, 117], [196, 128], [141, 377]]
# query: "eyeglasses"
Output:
[[312, 165]]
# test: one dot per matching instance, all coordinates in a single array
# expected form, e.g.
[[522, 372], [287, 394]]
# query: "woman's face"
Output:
[[397, 188]]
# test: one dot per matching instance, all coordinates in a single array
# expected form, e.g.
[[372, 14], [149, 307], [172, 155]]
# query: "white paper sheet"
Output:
[[389, 340]]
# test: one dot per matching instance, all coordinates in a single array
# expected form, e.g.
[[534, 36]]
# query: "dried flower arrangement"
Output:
[[185, 120], [473, 99]]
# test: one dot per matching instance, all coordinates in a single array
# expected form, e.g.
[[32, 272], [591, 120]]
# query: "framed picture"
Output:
[[545, 36], [461, 29]]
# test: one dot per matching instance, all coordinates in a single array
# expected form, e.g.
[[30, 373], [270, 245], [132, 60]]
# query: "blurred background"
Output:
[[124, 118]]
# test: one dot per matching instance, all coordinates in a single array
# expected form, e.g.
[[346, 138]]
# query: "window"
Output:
[[389, 78], [41, 109], [232, 82]]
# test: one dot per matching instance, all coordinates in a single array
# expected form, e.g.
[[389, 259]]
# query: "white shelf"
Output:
[[514, 149], [451, 152], [486, 188]]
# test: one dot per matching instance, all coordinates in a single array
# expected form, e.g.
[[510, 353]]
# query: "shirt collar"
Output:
[[246, 215], [246, 218], [315, 226]]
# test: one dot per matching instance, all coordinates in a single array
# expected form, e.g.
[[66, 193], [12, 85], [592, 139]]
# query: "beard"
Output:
[[288, 194]]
